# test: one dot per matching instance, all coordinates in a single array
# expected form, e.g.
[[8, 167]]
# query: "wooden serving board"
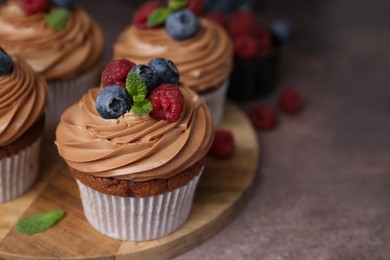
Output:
[[220, 196]]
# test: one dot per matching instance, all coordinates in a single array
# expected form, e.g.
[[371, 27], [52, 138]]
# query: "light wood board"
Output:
[[221, 194]]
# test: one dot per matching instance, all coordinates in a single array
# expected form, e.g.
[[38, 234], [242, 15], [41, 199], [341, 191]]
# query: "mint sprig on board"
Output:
[[138, 90], [158, 16], [39, 222]]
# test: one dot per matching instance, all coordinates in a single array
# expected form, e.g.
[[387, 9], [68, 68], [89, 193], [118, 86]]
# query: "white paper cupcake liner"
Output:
[[64, 93], [216, 101], [18, 172], [138, 219]]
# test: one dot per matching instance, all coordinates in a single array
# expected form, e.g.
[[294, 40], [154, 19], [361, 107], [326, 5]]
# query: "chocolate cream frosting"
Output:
[[133, 147], [204, 61], [23, 98], [55, 55]]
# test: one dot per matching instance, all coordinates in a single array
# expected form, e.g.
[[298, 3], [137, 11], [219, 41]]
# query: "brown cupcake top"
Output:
[[23, 98], [204, 61], [133, 147], [55, 55]]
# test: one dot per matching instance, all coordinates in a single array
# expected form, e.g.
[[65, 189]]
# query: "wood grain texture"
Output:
[[221, 194]]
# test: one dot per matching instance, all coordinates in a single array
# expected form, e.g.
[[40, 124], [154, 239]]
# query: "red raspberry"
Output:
[[290, 101], [35, 6], [264, 41], [116, 71], [218, 18], [245, 47], [242, 22], [263, 117], [223, 145], [141, 14], [167, 101], [196, 6]]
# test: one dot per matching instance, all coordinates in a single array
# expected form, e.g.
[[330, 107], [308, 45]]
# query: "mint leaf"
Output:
[[136, 87], [142, 108], [175, 5], [138, 90], [158, 16], [39, 222], [57, 18]]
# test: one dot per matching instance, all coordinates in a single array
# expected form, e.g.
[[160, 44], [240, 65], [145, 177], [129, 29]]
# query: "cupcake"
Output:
[[59, 41], [23, 96], [256, 55], [200, 48], [136, 152]]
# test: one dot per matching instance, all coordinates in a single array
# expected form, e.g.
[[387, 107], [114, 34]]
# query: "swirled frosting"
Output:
[[204, 61], [23, 98], [55, 55], [133, 147]]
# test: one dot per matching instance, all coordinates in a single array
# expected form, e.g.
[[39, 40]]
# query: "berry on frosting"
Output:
[[182, 25], [196, 6], [147, 75], [282, 30], [290, 101], [217, 18], [116, 72], [165, 70], [141, 15], [263, 117], [242, 23], [245, 47], [35, 6], [223, 145], [113, 101], [264, 41], [67, 4], [6, 64], [167, 101]]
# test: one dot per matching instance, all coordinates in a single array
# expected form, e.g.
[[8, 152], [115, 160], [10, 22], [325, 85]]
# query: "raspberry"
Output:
[[223, 145], [167, 101], [242, 22], [218, 18], [196, 6], [290, 101], [264, 41], [116, 71], [263, 117], [245, 47], [141, 14], [35, 6]]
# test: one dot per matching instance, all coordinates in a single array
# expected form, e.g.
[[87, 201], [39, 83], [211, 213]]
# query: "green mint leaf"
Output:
[[136, 87], [158, 16], [39, 222], [175, 5], [138, 90], [142, 108], [57, 18]]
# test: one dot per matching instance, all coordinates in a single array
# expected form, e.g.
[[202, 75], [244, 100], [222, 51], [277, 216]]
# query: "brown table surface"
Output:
[[323, 190]]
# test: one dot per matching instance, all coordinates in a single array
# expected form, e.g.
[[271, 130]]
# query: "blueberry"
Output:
[[6, 64], [282, 30], [182, 25], [165, 70], [67, 4], [147, 75], [113, 101], [225, 6]]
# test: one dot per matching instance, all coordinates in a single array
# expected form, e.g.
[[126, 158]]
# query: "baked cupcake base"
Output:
[[215, 100], [255, 78], [138, 219], [19, 163], [63, 93]]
